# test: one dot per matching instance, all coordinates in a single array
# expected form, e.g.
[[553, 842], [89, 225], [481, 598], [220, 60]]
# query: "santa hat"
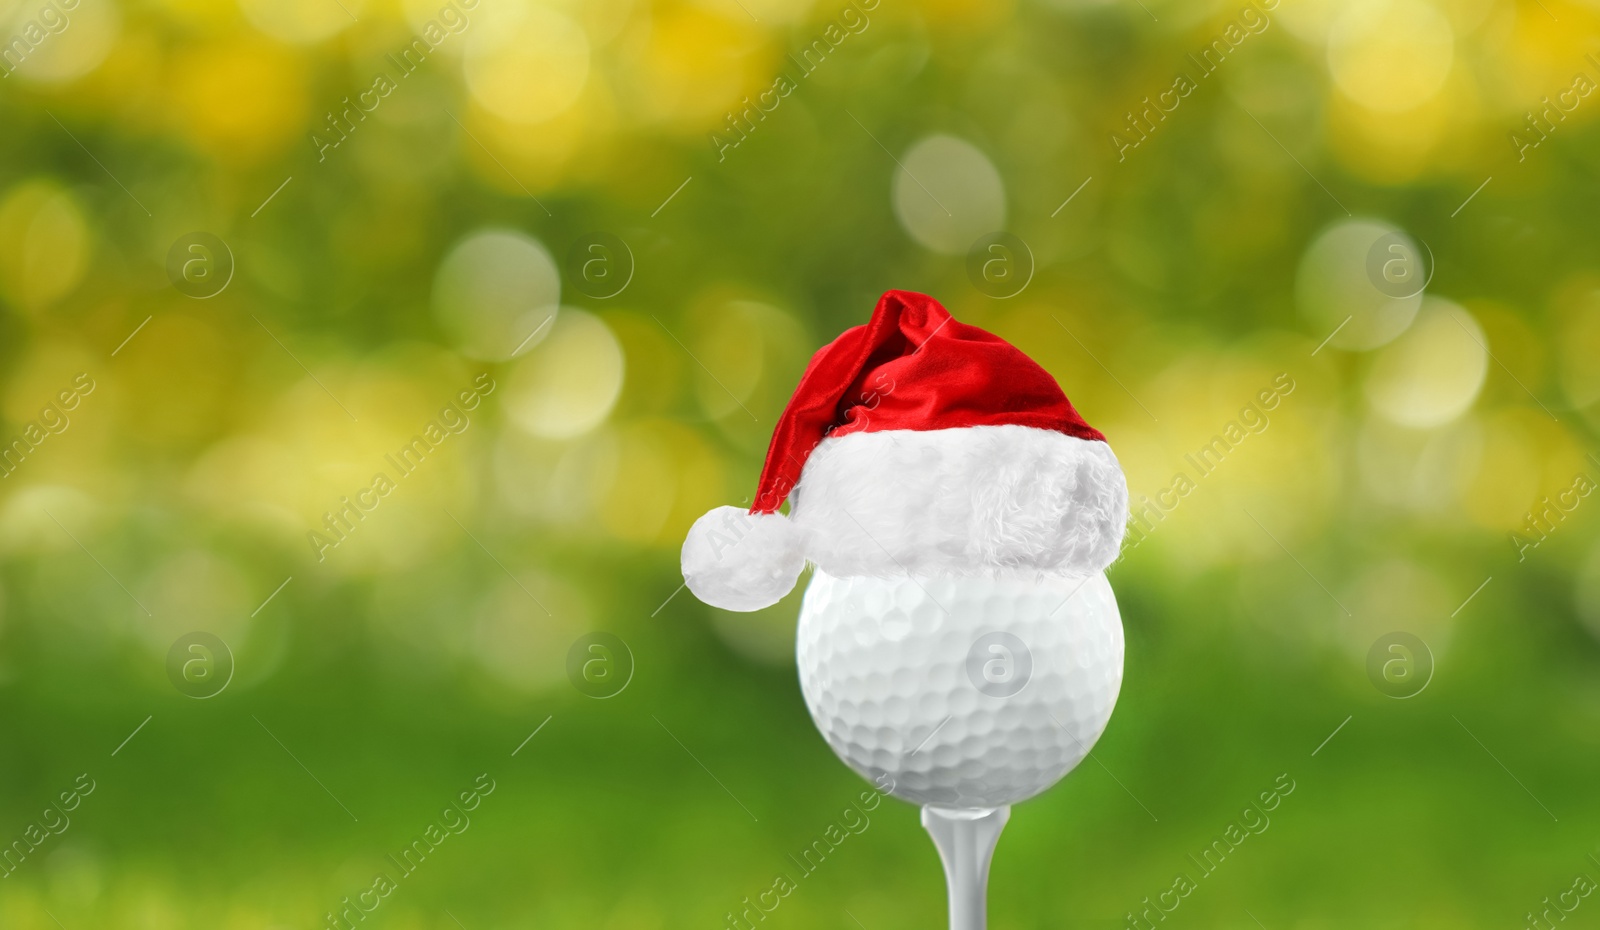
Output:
[[917, 445]]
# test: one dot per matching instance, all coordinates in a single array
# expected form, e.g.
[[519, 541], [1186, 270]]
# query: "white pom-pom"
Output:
[[742, 561]]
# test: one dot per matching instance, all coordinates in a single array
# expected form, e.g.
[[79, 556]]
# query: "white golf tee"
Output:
[[966, 840]]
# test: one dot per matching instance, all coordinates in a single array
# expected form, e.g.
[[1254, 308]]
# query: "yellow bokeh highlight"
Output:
[[208, 15], [691, 66], [664, 477], [240, 97], [26, 523], [1235, 431], [526, 63], [1396, 147], [62, 401], [1432, 373], [1537, 54], [1526, 455], [747, 356], [520, 158], [635, 498], [302, 456], [1390, 55], [1578, 345], [1521, 362], [67, 42], [658, 371], [302, 22], [44, 243], [567, 384]]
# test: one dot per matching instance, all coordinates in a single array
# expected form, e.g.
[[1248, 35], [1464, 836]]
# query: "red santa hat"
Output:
[[917, 445]]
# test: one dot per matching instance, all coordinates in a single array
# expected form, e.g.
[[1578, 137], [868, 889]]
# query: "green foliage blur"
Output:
[[1388, 203]]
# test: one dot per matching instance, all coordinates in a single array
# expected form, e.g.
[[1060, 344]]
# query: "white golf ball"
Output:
[[965, 692]]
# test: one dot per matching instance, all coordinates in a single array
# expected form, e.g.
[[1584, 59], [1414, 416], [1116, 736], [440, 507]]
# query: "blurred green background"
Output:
[[1346, 193]]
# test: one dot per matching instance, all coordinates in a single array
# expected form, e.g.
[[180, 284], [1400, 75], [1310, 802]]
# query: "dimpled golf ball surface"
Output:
[[923, 680]]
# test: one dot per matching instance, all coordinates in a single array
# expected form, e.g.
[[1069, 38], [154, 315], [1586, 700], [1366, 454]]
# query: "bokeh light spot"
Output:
[[523, 628], [206, 82], [44, 243], [528, 64], [73, 42], [1337, 294], [1390, 55], [634, 500], [301, 22], [1432, 374], [194, 590], [1426, 471], [948, 194], [568, 384], [695, 63], [496, 292], [747, 357]]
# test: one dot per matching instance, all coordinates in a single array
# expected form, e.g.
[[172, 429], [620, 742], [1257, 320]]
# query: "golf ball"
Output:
[[966, 692]]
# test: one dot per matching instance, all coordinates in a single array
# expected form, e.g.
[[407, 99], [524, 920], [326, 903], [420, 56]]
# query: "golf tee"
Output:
[[966, 840]]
